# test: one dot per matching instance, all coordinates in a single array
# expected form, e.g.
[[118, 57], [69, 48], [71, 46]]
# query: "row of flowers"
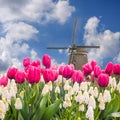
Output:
[[50, 92]]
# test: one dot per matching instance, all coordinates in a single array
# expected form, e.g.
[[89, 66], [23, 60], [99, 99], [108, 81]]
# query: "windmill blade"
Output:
[[73, 41], [66, 47], [88, 46], [74, 31]]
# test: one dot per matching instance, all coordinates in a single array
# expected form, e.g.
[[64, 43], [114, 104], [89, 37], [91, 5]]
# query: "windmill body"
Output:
[[78, 57]]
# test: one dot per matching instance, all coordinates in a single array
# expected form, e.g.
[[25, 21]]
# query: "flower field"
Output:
[[42, 91]]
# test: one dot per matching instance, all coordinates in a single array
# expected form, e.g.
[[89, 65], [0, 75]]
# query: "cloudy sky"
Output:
[[27, 27]]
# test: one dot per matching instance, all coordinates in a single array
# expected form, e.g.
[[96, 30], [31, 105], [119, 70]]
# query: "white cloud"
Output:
[[13, 44], [60, 51], [16, 18], [62, 11], [17, 63], [117, 58], [64, 51], [33, 54], [19, 31], [41, 11], [109, 41], [55, 63]]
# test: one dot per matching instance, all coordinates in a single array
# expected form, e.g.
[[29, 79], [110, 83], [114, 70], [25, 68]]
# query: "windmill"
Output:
[[77, 53]]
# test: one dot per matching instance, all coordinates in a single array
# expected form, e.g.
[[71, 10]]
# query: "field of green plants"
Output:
[[42, 91]]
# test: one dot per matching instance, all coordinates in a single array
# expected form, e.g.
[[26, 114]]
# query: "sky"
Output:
[[28, 27]]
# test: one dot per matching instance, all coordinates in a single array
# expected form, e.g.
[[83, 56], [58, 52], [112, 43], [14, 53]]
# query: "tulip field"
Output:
[[42, 91]]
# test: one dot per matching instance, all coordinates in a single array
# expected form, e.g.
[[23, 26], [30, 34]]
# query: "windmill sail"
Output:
[[74, 32], [77, 53]]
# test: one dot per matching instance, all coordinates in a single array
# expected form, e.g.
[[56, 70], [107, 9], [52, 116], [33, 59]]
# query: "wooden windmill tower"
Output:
[[77, 53]]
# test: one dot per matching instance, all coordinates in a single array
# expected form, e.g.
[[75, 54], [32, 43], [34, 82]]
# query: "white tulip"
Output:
[[102, 105], [45, 90], [92, 102], [83, 86], [90, 113], [57, 89], [75, 87], [106, 96], [81, 107], [18, 104], [86, 97], [95, 92]]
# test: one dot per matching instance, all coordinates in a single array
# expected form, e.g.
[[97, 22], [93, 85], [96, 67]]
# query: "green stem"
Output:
[[97, 117], [63, 89]]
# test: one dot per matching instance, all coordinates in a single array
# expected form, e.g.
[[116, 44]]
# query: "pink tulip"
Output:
[[36, 63], [116, 69], [93, 63], [11, 73], [26, 62], [87, 69], [4, 81], [54, 67], [88, 77], [77, 76], [92, 76], [72, 65], [103, 71], [68, 71], [46, 60], [109, 68], [26, 68], [33, 74], [61, 68], [19, 76], [97, 70], [56, 73], [50, 75], [103, 80], [42, 70]]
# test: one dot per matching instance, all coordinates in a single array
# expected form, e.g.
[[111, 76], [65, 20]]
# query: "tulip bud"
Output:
[[26, 62], [11, 73], [18, 104], [50, 75], [109, 68], [4, 81], [103, 80], [87, 69], [46, 60], [97, 70], [116, 69], [19, 76], [68, 71], [93, 63], [36, 63], [33, 74], [77, 76], [92, 76], [61, 69], [54, 67], [103, 71]]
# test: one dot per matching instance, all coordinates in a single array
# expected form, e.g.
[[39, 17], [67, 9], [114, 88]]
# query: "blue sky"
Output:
[[28, 27]]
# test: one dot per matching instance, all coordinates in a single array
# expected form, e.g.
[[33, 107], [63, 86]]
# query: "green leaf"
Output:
[[34, 94], [51, 110], [20, 116], [9, 114], [32, 97], [41, 108], [112, 106], [25, 109]]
